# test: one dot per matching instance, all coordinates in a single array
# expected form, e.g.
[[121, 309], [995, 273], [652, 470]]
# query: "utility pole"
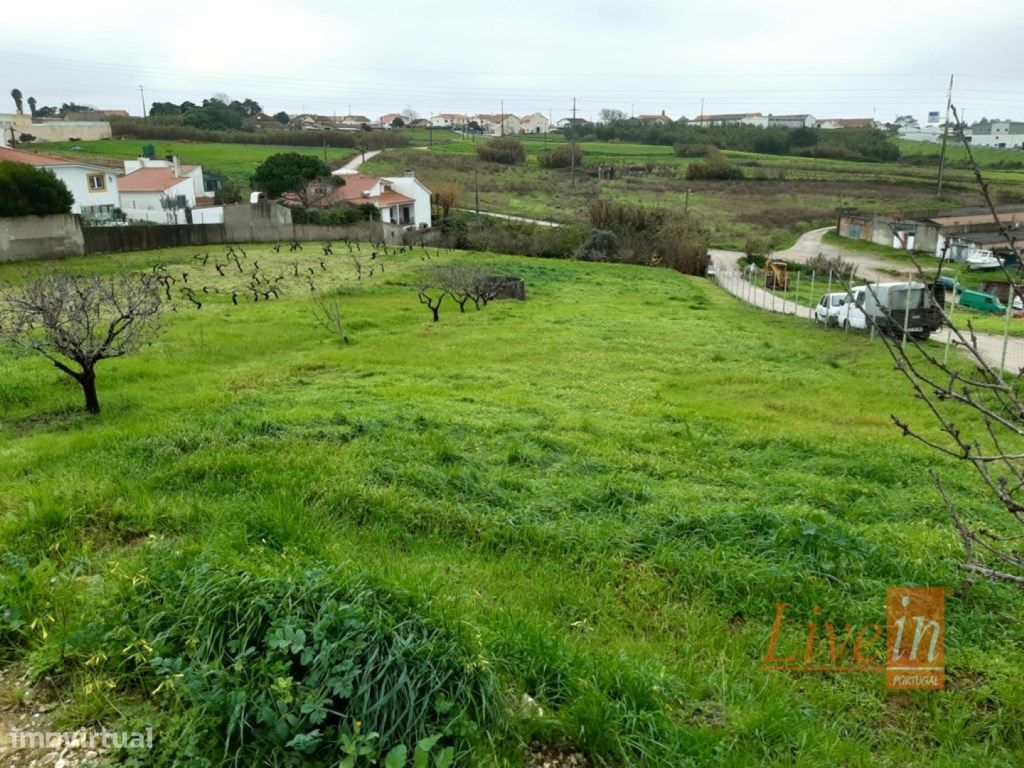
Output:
[[142, 93], [572, 146], [945, 135]]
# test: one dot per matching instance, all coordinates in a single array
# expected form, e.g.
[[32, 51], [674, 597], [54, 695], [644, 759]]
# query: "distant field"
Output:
[[237, 161]]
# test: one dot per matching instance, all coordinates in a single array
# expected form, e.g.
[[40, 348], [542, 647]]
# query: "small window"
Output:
[[97, 182]]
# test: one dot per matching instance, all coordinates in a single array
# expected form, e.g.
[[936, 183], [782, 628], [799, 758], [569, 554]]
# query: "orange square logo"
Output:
[[915, 637]]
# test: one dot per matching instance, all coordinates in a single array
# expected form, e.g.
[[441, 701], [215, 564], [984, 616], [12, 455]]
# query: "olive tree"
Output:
[[75, 321]]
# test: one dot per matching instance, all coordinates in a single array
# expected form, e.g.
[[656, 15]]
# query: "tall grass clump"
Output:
[[280, 664], [503, 150]]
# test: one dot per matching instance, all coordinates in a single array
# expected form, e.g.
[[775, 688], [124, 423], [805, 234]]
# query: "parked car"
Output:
[[983, 260], [982, 302], [826, 311]]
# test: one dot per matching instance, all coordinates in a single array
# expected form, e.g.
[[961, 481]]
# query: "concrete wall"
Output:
[[40, 237], [56, 130]]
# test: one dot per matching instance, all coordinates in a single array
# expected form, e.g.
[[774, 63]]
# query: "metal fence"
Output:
[[999, 338]]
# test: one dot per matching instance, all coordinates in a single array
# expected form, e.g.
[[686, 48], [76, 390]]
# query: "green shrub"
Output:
[[561, 157], [503, 150], [600, 245], [29, 191], [716, 167], [689, 150]]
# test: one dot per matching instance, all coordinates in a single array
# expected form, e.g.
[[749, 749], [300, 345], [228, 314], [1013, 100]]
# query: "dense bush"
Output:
[[561, 157], [29, 191], [600, 245], [502, 150], [341, 216], [715, 167], [214, 116], [486, 233], [683, 245], [622, 218]]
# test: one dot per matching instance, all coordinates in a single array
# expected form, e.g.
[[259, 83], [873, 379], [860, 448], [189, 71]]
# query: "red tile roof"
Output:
[[355, 185], [389, 198], [150, 180], [32, 158]]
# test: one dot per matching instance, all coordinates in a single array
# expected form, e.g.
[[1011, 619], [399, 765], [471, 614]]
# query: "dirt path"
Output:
[[810, 244], [510, 217], [353, 165]]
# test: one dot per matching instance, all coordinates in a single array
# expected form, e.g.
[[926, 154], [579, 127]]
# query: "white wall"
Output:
[[76, 179], [411, 187], [213, 214]]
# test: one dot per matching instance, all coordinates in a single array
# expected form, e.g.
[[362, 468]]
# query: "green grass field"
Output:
[[595, 498]]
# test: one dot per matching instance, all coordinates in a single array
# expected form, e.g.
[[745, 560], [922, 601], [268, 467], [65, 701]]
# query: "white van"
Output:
[[888, 304], [827, 310], [851, 313]]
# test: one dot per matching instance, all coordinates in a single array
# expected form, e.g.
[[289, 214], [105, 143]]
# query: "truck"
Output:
[[888, 305]]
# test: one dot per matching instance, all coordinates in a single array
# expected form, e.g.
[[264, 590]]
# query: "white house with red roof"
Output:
[[94, 188], [401, 200], [161, 190]]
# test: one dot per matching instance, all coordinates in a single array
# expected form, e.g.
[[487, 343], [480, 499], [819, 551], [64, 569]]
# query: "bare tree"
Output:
[[979, 413], [76, 321], [446, 197], [432, 295], [327, 311]]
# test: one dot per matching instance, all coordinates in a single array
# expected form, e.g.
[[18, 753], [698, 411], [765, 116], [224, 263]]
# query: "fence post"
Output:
[[812, 294], [906, 309], [1006, 328]]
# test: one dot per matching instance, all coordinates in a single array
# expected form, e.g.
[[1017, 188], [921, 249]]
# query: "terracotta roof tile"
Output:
[[150, 180]]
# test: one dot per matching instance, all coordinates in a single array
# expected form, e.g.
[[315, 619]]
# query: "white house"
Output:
[[452, 120], [94, 188], [401, 200], [161, 190], [841, 123], [534, 123], [735, 118]]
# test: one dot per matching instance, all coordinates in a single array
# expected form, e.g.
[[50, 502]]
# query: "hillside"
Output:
[[595, 498]]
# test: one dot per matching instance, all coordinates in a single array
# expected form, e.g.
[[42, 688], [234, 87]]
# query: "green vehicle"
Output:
[[982, 302]]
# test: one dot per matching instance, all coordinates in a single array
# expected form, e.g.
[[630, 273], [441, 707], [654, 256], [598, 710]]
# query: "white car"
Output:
[[827, 310]]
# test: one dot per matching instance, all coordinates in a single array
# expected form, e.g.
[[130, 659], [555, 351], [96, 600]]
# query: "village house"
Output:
[[534, 123], [93, 187], [661, 119], [401, 200], [791, 121], [451, 120], [1002, 135], [385, 121], [162, 191]]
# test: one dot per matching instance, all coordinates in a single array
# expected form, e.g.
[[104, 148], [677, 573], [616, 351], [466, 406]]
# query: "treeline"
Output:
[[135, 128], [846, 144]]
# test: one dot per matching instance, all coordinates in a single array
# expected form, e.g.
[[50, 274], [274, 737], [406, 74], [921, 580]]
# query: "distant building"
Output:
[[534, 123], [735, 118], [94, 188], [453, 120], [1002, 134], [791, 121], [385, 121], [966, 230], [661, 119], [52, 129], [833, 123]]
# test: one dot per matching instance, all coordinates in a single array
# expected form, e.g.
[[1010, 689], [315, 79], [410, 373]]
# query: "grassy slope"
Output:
[[235, 160], [613, 482]]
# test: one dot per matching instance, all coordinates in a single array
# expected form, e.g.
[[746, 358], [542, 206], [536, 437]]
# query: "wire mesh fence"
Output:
[[999, 337]]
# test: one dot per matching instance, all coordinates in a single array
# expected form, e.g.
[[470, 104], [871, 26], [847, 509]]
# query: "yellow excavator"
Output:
[[776, 275]]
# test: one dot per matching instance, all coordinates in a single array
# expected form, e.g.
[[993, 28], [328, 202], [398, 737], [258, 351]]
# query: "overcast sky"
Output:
[[881, 58]]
